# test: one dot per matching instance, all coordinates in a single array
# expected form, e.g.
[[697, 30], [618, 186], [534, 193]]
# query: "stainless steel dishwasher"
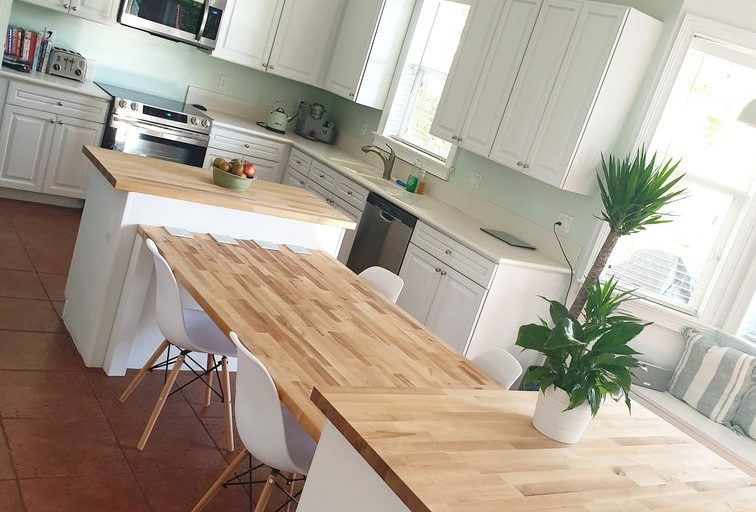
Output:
[[382, 236]]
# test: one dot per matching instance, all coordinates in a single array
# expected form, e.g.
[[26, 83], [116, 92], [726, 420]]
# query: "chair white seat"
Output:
[[199, 326], [499, 364], [384, 281]]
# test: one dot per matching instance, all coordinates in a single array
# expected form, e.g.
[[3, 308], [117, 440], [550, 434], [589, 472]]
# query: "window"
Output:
[[748, 327], [429, 57], [677, 264]]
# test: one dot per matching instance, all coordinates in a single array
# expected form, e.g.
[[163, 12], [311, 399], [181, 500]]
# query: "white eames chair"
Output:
[[499, 364], [267, 429], [186, 327], [384, 281]]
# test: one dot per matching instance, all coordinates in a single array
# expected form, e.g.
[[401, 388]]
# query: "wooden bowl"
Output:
[[231, 181]]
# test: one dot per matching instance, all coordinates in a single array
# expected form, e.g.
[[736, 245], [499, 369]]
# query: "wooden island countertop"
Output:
[[132, 173], [476, 450]]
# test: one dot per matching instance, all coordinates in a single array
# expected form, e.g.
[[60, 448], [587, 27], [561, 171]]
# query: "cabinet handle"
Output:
[[265, 65], [454, 137], [52, 121], [301, 182], [349, 192], [519, 164], [322, 176], [74, 7], [443, 272], [438, 269], [526, 166], [448, 251], [65, 6], [351, 95], [298, 161], [60, 122], [246, 145], [60, 103], [459, 139], [270, 66]]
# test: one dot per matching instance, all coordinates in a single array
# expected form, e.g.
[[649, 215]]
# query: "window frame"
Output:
[[439, 168], [724, 305]]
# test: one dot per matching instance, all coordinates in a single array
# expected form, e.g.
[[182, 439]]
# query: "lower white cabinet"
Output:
[[40, 148], [25, 139], [66, 172], [441, 298]]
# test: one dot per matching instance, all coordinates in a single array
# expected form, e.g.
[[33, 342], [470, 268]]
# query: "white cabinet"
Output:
[[267, 155], [290, 38], [367, 49], [558, 79], [101, 11], [247, 30], [63, 175], [444, 300], [304, 38], [25, 139]]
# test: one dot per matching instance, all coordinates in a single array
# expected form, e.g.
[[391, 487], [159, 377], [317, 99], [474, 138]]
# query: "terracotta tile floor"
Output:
[[66, 444]]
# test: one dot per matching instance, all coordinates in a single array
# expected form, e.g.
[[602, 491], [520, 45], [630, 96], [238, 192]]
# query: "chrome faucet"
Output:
[[388, 157]]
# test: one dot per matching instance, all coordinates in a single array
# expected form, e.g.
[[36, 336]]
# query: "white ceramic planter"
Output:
[[551, 419]]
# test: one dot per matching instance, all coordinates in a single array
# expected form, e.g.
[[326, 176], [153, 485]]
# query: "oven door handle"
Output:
[[153, 131], [205, 14]]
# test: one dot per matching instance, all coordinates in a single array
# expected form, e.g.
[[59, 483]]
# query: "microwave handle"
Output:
[[205, 14]]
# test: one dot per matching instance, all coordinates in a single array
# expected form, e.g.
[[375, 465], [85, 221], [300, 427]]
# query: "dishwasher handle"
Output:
[[385, 216]]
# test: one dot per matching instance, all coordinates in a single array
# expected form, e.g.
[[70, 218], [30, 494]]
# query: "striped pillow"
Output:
[[745, 418], [710, 378]]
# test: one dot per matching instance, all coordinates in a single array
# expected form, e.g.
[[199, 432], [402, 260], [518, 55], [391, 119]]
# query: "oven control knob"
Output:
[[77, 72], [56, 67], [193, 120], [205, 123], [135, 106], [122, 103]]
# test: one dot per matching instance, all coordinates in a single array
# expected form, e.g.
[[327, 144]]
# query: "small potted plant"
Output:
[[585, 362], [588, 361]]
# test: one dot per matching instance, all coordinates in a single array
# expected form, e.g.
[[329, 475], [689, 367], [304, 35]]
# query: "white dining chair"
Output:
[[188, 328], [384, 281], [267, 430], [499, 364]]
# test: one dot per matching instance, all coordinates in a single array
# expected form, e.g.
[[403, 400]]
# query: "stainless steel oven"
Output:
[[196, 22], [146, 125]]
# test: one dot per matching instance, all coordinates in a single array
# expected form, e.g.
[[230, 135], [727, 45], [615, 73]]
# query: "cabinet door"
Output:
[[352, 46], [305, 35], [247, 30], [102, 11], [25, 138], [498, 75], [67, 167], [267, 170], [540, 67], [466, 67], [58, 5], [421, 273], [577, 86], [455, 308]]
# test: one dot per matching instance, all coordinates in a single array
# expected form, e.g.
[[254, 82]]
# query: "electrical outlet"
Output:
[[222, 82], [364, 128], [473, 183], [566, 221]]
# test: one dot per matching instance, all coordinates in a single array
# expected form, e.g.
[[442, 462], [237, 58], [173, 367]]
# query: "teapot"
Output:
[[278, 119]]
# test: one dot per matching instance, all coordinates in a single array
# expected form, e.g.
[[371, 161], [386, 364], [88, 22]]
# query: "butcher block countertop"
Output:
[[475, 450], [132, 173], [311, 321]]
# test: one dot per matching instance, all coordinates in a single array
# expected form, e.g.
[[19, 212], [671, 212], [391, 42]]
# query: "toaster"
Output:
[[67, 63]]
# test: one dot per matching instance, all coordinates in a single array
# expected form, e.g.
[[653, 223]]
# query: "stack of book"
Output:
[[27, 50]]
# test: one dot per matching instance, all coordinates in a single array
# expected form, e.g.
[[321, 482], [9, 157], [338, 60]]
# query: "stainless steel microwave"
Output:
[[195, 22]]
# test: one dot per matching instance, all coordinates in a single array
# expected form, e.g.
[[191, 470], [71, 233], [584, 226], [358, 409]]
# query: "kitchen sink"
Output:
[[360, 168]]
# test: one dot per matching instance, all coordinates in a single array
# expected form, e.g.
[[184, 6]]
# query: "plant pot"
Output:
[[552, 420]]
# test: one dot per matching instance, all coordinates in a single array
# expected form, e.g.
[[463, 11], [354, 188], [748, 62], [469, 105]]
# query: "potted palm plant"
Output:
[[587, 361]]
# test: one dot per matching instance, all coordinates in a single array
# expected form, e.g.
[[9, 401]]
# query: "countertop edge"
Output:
[[87, 88], [126, 185], [299, 146], [368, 454]]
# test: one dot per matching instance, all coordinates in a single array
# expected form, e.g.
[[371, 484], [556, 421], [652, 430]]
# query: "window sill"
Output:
[[662, 316], [409, 154]]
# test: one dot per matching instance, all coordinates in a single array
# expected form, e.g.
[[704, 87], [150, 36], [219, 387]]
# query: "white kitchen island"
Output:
[[110, 290]]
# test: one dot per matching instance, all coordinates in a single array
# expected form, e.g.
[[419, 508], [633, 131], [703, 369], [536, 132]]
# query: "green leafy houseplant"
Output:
[[589, 360]]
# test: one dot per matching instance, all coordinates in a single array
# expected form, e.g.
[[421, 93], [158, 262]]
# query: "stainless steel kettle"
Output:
[[278, 119]]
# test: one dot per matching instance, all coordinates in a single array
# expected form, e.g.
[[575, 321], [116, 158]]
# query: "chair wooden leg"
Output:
[[161, 401], [202, 503], [209, 388], [293, 476], [265, 494], [141, 374], [226, 383]]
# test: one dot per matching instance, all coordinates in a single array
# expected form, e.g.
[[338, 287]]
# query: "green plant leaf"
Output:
[[532, 336]]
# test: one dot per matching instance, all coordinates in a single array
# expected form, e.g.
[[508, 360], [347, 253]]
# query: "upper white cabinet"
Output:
[[101, 11], [290, 38], [558, 79], [247, 30], [367, 49]]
